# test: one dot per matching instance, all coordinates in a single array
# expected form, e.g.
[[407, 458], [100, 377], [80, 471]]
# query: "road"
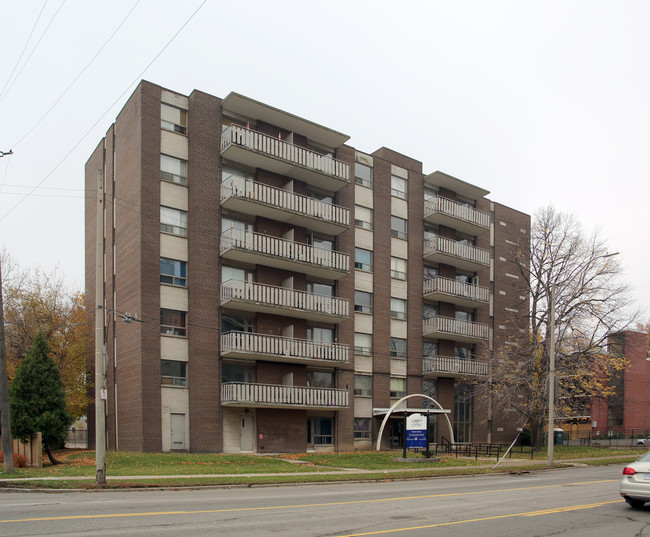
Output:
[[577, 502]]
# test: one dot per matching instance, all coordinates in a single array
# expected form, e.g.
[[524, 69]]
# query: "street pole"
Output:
[[5, 424], [551, 380], [100, 378]]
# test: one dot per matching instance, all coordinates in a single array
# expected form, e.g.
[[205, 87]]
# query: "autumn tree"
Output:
[[591, 302], [35, 301], [37, 400]]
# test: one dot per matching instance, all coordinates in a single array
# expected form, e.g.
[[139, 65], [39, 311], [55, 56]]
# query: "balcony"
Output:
[[450, 252], [249, 197], [283, 349], [258, 297], [271, 395], [255, 248], [446, 212], [445, 366], [258, 150], [454, 329], [459, 293]]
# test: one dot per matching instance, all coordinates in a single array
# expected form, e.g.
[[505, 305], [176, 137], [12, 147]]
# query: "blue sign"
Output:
[[416, 438]]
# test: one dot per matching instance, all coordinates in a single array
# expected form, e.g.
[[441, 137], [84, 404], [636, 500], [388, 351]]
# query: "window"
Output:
[[362, 217], [172, 272], [320, 379], [363, 175], [320, 335], [464, 316], [362, 343], [397, 347], [398, 308], [397, 227], [363, 385], [173, 119], [238, 175], [237, 373], [397, 387], [173, 373], [398, 268], [429, 348], [322, 431], [172, 322], [462, 353], [173, 221], [362, 428], [398, 187], [429, 194], [430, 272], [429, 388], [173, 169], [429, 311], [232, 273], [362, 259], [462, 413], [320, 289], [230, 323], [362, 302]]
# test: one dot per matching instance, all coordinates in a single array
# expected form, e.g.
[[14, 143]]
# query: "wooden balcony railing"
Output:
[[447, 286], [455, 327], [454, 366], [456, 249], [282, 396]]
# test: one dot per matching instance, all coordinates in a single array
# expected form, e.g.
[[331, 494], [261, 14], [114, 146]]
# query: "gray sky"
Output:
[[538, 102]]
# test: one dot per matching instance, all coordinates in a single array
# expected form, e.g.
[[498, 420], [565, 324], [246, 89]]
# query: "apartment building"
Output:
[[291, 288]]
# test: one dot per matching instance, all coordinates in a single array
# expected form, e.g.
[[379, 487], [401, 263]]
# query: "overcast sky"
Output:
[[538, 102]]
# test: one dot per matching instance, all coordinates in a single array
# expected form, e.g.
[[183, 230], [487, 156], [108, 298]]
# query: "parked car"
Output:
[[643, 441], [635, 484]]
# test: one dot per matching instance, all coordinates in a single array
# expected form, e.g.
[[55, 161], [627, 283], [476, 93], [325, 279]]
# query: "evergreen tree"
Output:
[[37, 399]]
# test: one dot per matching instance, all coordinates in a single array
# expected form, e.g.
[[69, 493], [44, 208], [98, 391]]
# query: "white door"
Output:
[[247, 432], [178, 431]]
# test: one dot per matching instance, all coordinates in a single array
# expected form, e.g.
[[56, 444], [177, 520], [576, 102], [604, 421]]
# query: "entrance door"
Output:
[[246, 434], [178, 431]]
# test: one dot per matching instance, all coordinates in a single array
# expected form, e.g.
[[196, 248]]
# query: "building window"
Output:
[[320, 379], [320, 335], [230, 323], [362, 302], [173, 119], [363, 175], [462, 353], [320, 289], [429, 311], [173, 169], [398, 308], [363, 259], [429, 348], [462, 413], [362, 343], [397, 227], [173, 221], [173, 373], [398, 187], [173, 272], [397, 387], [398, 268], [319, 431], [363, 385], [397, 347], [172, 322], [430, 272], [362, 217], [244, 374], [362, 429]]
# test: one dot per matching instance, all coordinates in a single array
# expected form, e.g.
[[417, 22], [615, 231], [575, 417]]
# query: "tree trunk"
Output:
[[50, 455]]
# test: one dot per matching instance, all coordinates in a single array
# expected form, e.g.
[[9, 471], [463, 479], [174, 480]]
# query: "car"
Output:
[[635, 484], [643, 441]]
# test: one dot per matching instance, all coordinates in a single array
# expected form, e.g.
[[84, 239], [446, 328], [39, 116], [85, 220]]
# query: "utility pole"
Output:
[[5, 424], [100, 374], [551, 380]]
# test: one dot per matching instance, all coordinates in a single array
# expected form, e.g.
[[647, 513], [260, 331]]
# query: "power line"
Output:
[[106, 112], [24, 48], [31, 53], [78, 76]]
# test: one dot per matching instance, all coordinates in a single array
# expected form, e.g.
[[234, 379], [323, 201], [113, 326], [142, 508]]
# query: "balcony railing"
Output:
[[448, 290], [303, 163], [454, 329], [283, 349], [444, 211], [269, 298], [455, 253], [308, 212], [239, 393], [445, 365], [282, 253]]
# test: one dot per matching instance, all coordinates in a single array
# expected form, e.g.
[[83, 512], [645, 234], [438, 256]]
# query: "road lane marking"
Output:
[[280, 507], [484, 519]]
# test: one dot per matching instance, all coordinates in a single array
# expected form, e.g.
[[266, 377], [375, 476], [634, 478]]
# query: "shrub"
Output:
[[20, 461]]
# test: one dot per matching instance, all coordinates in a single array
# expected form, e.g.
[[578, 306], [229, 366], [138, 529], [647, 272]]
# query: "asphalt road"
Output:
[[577, 502]]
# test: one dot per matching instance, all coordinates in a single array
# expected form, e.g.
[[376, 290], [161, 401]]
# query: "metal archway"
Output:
[[390, 411]]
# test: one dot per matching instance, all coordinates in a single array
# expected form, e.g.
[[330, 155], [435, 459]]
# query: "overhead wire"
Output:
[[78, 76], [119, 98], [24, 48], [31, 53]]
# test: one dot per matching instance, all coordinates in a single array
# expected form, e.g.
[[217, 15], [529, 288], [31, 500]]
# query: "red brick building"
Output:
[[291, 287]]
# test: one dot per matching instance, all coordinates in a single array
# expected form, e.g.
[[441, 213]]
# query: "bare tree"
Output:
[[591, 302]]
